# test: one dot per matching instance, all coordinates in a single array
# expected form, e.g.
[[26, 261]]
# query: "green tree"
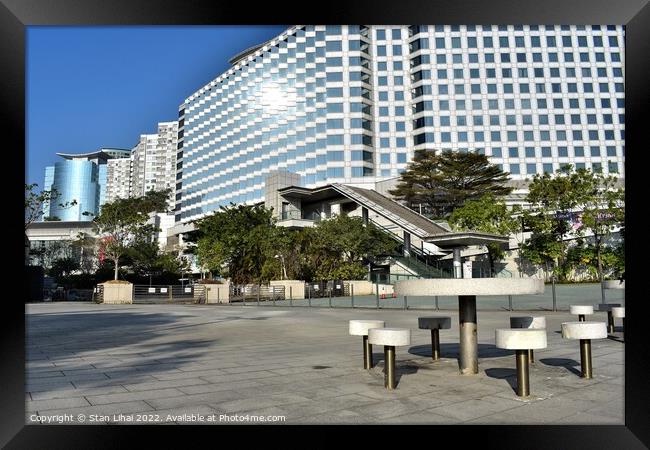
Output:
[[87, 246], [491, 215], [238, 240], [122, 222], [570, 203], [603, 211], [341, 246], [62, 268], [35, 203], [443, 181]]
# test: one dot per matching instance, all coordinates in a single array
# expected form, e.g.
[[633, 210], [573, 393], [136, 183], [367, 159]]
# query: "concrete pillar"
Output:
[[458, 272]]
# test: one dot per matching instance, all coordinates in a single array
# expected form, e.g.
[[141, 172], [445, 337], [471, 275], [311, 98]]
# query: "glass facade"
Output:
[[83, 178], [76, 180], [351, 103]]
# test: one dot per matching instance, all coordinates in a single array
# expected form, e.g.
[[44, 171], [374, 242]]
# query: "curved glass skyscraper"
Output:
[[82, 178], [352, 103]]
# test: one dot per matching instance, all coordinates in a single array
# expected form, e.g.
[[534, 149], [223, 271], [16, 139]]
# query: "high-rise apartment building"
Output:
[[118, 179], [153, 161]]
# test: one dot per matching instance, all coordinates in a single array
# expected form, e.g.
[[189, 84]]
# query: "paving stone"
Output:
[[58, 403], [301, 363]]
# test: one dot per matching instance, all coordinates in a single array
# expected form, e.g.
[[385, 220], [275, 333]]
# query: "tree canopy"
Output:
[[444, 181], [244, 243], [571, 203], [35, 202], [123, 222], [237, 240], [491, 215]]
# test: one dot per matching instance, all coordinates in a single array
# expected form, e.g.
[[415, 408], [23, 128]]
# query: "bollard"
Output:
[[309, 293], [330, 299], [510, 302], [290, 296], [405, 303], [259, 288], [436, 298], [171, 297], [352, 295]]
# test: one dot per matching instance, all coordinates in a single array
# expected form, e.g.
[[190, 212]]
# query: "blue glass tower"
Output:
[[80, 178]]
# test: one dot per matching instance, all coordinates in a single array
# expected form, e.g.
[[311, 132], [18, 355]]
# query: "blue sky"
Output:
[[92, 87]]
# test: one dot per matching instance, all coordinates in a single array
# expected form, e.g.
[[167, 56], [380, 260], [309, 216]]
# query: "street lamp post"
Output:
[[284, 269]]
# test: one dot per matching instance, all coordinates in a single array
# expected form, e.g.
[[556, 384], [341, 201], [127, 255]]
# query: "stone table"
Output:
[[467, 289]]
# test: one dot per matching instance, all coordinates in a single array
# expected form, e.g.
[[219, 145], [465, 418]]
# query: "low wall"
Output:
[[614, 284], [118, 293], [362, 287], [294, 289], [217, 293]]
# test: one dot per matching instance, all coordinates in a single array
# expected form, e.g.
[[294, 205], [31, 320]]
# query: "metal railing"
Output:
[[98, 294], [255, 293], [194, 293], [417, 259]]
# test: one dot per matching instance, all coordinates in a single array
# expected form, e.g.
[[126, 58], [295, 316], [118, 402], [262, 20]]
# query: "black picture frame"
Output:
[[16, 15]]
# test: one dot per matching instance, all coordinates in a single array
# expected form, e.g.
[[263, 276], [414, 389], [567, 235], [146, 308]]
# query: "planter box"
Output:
[[118, 293]]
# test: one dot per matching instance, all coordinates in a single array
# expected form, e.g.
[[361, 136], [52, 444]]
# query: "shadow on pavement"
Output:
[[453, 351], [568, 364], [510, 375]]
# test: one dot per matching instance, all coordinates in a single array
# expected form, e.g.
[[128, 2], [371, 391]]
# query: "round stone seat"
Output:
[[389, 338], [361, 327], [392, 337], [434, 323], [584, 330], [618, 312], [533, 322], [520, 338], [606, 306], [582, 309]]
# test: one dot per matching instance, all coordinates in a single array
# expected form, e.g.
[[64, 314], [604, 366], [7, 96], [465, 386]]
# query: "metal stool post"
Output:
[[389, 366], [367, 354], [523, 384], [435, 344], [585, 358]]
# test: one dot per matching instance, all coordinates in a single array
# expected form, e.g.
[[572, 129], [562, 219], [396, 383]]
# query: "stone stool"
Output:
[[530, 322], [581, 311], [435, 324], [619, 313], [585, 331], [610, 319], [521, 340], [389, 338], [360, 328]]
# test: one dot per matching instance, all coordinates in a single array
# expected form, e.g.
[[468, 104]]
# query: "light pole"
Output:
[[284, 269]]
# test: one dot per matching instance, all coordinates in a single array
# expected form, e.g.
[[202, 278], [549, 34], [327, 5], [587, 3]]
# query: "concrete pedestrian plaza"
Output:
[[89, 363]]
